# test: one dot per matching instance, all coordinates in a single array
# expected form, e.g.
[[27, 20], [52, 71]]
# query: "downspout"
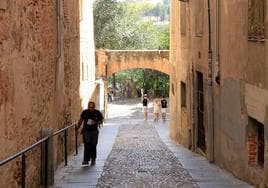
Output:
[[57, 60], [58, 30], [58, 50], [210, 93], [57, 56], [58, 42], [217, 62]]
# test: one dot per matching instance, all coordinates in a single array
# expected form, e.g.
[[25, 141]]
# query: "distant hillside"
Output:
[[152, 10]]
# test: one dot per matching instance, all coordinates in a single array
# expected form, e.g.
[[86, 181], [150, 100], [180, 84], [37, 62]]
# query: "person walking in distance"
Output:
[[156, 107], [91, 118], [164, 108], [145, 106]]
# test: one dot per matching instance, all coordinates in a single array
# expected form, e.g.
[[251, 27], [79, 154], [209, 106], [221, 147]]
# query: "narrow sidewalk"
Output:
[[77, 176], [205, 174]]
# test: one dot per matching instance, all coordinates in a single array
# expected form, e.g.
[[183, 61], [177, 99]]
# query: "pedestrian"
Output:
[[156, 107], [109, 97], [91, 118], [164, 108], [111, 93], [145, 106], [142, 93]]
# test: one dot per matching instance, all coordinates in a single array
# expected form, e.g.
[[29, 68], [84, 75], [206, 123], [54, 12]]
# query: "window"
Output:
[[199, 18], [256, 142], [261, 144], [183, 94], [256, 13]]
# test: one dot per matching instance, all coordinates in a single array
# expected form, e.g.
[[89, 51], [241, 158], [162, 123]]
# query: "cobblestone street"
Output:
[[140, 159], [136, 153]]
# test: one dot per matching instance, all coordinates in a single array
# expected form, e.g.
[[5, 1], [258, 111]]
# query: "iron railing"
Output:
[[44, 141]]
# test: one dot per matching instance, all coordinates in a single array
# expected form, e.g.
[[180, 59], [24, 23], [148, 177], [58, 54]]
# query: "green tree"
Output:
[[107, 15], [119, 26], [153, 82], [124, 26], [163, 37]]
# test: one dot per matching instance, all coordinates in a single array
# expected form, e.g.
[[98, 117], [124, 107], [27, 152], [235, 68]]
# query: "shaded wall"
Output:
[[40, 78], [241, 93]]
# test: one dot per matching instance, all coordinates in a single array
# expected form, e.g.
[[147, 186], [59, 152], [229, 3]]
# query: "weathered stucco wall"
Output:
[[40, 78], [242, 92], [27, 60], [242, 62]]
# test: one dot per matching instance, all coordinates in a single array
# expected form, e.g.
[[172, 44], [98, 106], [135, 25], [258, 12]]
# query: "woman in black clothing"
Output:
[[145, 107]]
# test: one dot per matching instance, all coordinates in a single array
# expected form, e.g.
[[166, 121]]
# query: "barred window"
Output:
[[256, 11]]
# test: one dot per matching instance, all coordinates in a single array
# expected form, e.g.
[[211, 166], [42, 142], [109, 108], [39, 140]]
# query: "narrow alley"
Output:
[[208, 57], [137, 153]]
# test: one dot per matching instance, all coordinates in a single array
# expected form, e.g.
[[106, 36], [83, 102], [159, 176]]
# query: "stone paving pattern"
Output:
[[136, 157], [140, 159]]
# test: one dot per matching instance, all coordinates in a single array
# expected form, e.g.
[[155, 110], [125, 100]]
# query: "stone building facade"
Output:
[[222, 115], [47, 76]]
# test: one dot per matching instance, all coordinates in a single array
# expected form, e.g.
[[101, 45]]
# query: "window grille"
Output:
[[256, 11]]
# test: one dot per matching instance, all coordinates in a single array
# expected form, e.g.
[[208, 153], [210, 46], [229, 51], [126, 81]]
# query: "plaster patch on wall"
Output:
[[3, 4], [256, 101], [232, 122]]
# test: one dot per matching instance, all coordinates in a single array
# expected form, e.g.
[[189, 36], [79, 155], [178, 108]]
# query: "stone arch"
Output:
[[112, 61]]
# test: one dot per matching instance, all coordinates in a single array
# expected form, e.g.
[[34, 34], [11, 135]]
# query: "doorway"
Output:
[[201, 134]]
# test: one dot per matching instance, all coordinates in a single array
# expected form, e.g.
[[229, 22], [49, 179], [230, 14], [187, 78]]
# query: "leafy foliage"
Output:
[[163, 37], [119, 25], [123, 26], [107, 18], [153, 82]]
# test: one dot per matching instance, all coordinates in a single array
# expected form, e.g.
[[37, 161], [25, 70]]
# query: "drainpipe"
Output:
[[58, 30], [217, 62], [57, 61], [210, 93], [193, 114], [58, 42], [58, 49]]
